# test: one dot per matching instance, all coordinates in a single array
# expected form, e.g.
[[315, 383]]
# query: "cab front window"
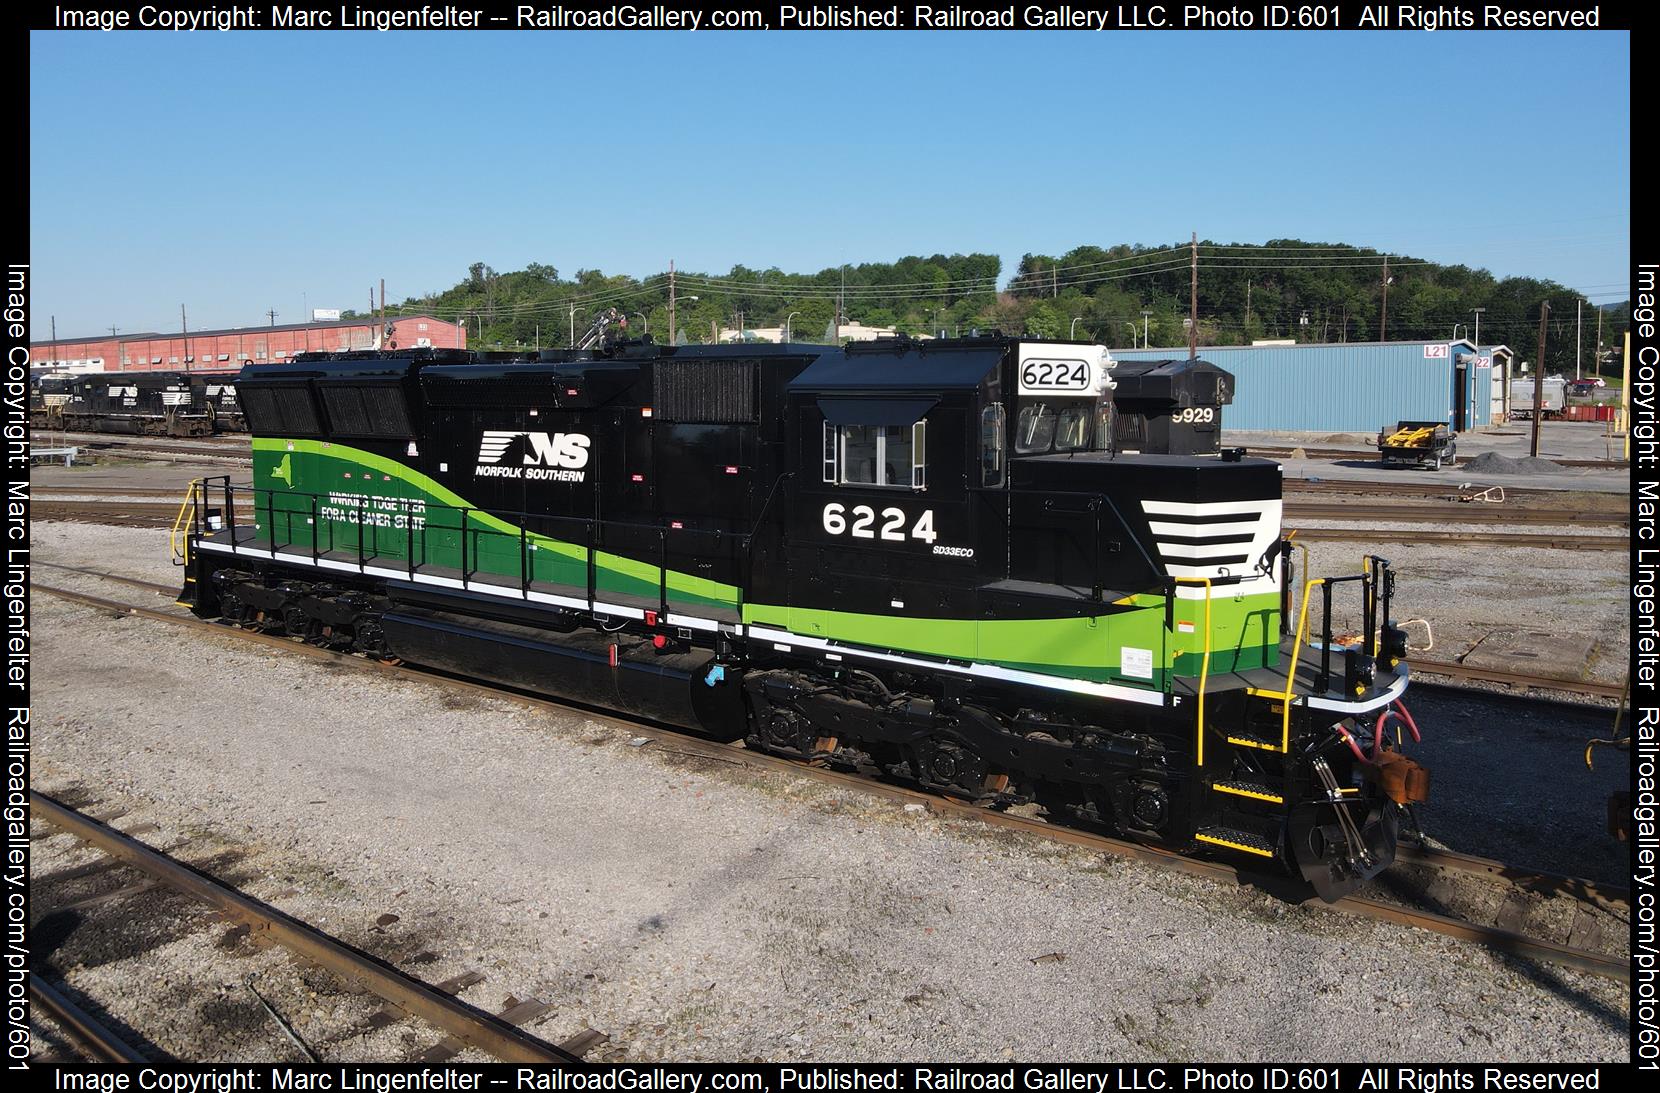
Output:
[[1042, 427]]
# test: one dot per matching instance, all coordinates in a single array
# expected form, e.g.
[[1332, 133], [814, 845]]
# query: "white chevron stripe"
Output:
[[1208, 550], [1209, 508]]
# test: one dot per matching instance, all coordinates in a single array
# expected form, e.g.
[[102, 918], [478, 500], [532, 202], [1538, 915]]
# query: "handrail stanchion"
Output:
[[1291, 671], [463, 547], [1323, 684], [1204, 672], [524, 561]]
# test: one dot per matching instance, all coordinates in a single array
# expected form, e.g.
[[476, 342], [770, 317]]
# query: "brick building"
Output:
[[201, 350]]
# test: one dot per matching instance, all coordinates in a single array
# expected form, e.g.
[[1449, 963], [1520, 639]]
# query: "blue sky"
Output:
[[241, 172]]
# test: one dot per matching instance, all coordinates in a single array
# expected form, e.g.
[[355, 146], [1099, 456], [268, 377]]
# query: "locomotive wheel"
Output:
[[950, 765], [369, 639], [784, 731], [232, 609], [298, 623]]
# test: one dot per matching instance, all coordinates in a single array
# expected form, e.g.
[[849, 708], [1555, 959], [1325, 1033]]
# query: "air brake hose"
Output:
[[1378, 733], [1350, 740], [1411, 725]]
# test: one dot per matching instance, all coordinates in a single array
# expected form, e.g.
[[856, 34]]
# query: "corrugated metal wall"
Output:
[[1354, 387]]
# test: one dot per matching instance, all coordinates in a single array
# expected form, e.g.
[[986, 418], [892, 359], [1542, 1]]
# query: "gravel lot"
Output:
[[690, 910]]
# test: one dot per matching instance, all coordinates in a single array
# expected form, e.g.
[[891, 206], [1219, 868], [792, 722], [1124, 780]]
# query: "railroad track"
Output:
[[1455, 670], [1498, 937], [1452, 512], [95, 1039], [465, 1024], [1494, 538], [1370, 455], [180, 449]]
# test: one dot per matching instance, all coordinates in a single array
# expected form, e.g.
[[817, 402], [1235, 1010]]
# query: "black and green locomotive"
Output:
[[919, 558]]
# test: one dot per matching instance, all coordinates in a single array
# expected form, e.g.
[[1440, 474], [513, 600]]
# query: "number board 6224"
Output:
[[1056, 376]]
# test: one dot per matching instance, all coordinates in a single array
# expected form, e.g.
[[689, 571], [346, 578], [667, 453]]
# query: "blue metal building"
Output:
[[1355, 387]]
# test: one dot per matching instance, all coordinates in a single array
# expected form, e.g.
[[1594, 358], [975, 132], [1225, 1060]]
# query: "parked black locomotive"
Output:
[[176, 404], [920, 558]]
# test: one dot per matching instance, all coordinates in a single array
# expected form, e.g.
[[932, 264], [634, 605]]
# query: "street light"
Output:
[[1144, 315], [787, 319], [1477, 337], [574, 310], [1455, 328], [935, 322], [645, 322], [1132, 335], [1072, 331]]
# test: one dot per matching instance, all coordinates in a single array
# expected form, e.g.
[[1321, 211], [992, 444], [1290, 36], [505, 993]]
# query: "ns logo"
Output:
[[556, 457], [568, 450]]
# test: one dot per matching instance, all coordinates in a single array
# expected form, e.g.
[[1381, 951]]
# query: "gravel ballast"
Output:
[[689, 909]]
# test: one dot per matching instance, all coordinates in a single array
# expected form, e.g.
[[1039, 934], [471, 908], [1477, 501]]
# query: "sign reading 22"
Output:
[[861, 523]]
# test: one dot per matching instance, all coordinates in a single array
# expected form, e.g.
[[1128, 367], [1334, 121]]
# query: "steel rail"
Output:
[[471, 1026], [1611, 898], [1372, 455], [683, 743], [1451, 512], [95, 1039], [1515, 539]]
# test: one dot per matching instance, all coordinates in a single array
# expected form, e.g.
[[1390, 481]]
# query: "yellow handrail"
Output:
[[181, 549], [1291, 672], [1204, 668]]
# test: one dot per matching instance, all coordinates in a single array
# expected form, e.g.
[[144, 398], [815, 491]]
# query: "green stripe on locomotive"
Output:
[[340, 484], [324, 471], [1244, 634]]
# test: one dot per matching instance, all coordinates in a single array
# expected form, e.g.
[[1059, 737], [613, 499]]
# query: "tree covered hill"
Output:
[[1284, 288]]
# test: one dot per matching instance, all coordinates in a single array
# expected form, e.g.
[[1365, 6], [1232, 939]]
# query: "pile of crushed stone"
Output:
[[1494, 463]]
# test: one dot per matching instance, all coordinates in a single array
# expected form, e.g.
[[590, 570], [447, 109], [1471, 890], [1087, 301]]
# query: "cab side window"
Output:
[[992, 431], [877, 455]]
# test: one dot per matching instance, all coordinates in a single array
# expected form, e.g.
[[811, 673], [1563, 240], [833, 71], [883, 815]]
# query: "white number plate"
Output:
[[1060, 370]]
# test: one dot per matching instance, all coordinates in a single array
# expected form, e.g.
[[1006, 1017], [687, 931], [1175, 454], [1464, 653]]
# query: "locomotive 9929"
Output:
[[918, 558]]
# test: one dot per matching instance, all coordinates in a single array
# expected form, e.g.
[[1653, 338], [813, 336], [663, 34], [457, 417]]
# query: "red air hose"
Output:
[[1411, 725], [1378, 733], [1350, 740]]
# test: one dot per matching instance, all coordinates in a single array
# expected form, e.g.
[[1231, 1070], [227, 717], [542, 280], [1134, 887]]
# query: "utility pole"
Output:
[[672, 327], [1193, 305], [1054, 282], [273, 314], [1596, 362], [1247, 307], [841, 305], [184, 328], [54, 341], [383, 303], [1144, 314], [1539, 378], [1579, 336], [538, 337], [1383, 325]]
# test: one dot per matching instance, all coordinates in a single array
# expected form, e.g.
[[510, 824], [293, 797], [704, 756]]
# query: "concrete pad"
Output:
[[1535, 652]]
